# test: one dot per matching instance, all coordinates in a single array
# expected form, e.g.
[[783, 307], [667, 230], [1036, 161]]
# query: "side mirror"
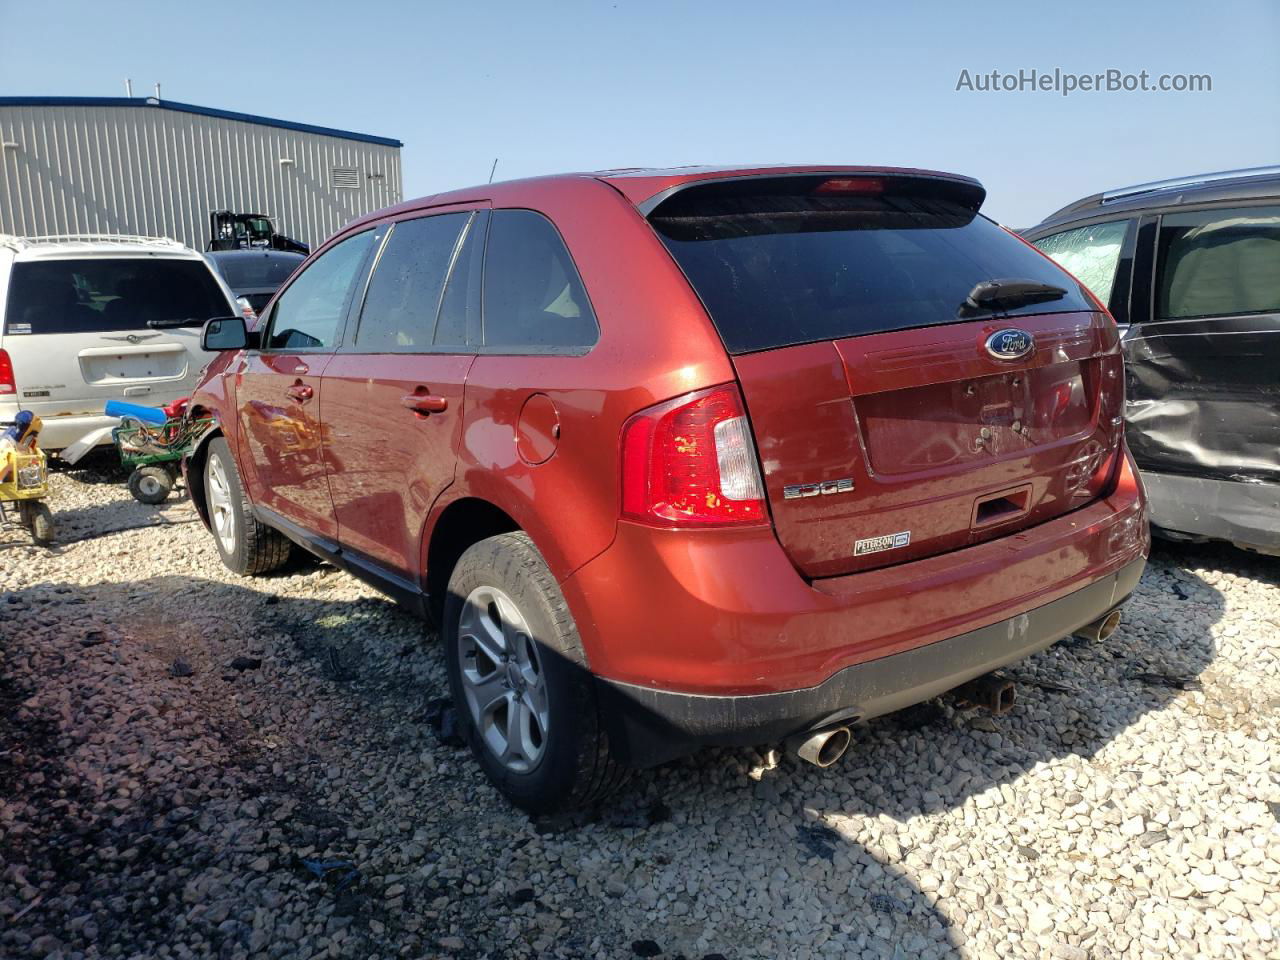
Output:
[[224, 333]]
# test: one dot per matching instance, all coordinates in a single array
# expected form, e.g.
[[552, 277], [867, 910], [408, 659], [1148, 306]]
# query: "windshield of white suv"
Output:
[[105, 294]]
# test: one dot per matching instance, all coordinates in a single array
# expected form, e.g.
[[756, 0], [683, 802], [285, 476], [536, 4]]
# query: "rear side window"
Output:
[[309, 314], [534, 300], [1090, 253], [105, 294], [780, 262], [460, 304], [403, 299], [1220, 262]]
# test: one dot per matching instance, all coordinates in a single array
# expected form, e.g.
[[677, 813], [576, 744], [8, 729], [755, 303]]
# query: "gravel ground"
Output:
[[178, 744]]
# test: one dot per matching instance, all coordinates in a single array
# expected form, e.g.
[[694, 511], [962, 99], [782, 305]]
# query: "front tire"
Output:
[[246, 545], [524, 696]]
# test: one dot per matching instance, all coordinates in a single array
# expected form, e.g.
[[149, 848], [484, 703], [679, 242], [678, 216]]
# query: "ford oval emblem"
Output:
[[1011, 344]]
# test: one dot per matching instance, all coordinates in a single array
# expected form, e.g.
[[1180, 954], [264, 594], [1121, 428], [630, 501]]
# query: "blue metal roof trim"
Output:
[[192, 108]]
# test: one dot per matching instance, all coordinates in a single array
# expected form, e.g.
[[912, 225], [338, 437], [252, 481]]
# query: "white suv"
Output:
[[86, 319]]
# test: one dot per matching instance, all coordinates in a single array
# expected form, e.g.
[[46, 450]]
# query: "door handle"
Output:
[[425, 403], [300, 392]]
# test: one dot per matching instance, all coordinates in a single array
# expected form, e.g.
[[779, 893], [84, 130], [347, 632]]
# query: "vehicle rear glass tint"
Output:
[[105, 294], [777, 263], [534, 300], [257, 271]]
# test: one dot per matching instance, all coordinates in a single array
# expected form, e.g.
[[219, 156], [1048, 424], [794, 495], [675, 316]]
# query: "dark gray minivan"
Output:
[[1190, 268]]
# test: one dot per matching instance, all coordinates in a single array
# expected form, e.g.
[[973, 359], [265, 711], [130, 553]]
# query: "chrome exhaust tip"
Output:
[[1100, 630], [822, 748]]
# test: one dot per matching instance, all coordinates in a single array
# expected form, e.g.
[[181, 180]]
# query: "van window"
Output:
[[1219, 262], [533, 297], [1090, 253], [779, 262], [309, 314], [104, 294], [403, 299]]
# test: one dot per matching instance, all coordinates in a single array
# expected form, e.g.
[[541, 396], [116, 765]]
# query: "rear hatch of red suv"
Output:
[[917, 378]]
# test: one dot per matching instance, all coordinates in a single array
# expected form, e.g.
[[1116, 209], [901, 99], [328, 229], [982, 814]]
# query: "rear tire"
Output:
[[246, 545], [151, 485], [524, 697]]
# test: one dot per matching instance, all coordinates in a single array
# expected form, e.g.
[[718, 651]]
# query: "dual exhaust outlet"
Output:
[[825, 746], [1100, 629]]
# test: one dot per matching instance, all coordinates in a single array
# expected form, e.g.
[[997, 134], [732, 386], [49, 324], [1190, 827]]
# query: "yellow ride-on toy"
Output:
[[24, 479]]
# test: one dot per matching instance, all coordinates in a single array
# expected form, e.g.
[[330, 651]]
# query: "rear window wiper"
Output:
[[176, 322], [995, 295]]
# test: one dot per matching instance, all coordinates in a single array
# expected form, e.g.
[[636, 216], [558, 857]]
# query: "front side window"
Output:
[[534, 299], [309, 314], [403, 300], [1090, 253], [1218, 263]]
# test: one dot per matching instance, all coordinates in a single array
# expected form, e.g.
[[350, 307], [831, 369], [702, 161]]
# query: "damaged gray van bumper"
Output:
[[1246, 514]]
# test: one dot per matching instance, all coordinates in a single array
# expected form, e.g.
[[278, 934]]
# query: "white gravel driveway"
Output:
[[178, 744]]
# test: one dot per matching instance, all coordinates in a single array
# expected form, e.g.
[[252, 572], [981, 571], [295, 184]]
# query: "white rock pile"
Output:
[[196, 765]]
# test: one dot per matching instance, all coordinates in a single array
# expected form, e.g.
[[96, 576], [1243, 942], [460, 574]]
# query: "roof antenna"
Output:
[[493, 168], [128, 87]]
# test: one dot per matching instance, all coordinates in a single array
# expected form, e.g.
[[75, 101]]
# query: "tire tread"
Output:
[[262, 548], [597, 773]]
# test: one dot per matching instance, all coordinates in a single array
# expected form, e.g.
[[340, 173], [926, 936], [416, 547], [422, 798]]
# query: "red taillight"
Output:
[[846, 185], [7, 382], [692, 462]]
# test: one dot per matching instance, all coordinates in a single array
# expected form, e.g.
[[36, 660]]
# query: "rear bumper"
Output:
[[714, 637], [650, 726], [1247, 514]]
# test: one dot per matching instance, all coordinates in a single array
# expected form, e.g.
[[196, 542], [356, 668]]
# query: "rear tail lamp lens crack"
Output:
[[691, 462]]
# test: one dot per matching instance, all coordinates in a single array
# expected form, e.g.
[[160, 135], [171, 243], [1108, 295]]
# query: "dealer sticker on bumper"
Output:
[[888, 542]]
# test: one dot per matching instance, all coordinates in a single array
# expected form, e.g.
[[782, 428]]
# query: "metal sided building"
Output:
[[141, 165]]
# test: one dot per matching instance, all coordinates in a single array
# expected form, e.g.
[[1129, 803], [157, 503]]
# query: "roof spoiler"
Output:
[[965, 191]]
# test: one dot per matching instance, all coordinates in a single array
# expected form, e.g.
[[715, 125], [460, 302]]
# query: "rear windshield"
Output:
[[88, 296], [257, 271], [784, 265]]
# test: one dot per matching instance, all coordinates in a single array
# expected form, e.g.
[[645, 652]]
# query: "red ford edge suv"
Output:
[[686, 457]]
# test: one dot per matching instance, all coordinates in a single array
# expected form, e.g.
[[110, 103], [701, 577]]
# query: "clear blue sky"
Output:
[[552, 86]]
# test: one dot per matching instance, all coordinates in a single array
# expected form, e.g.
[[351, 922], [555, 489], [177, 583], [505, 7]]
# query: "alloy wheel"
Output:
[[220, 505], [502, 679]]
